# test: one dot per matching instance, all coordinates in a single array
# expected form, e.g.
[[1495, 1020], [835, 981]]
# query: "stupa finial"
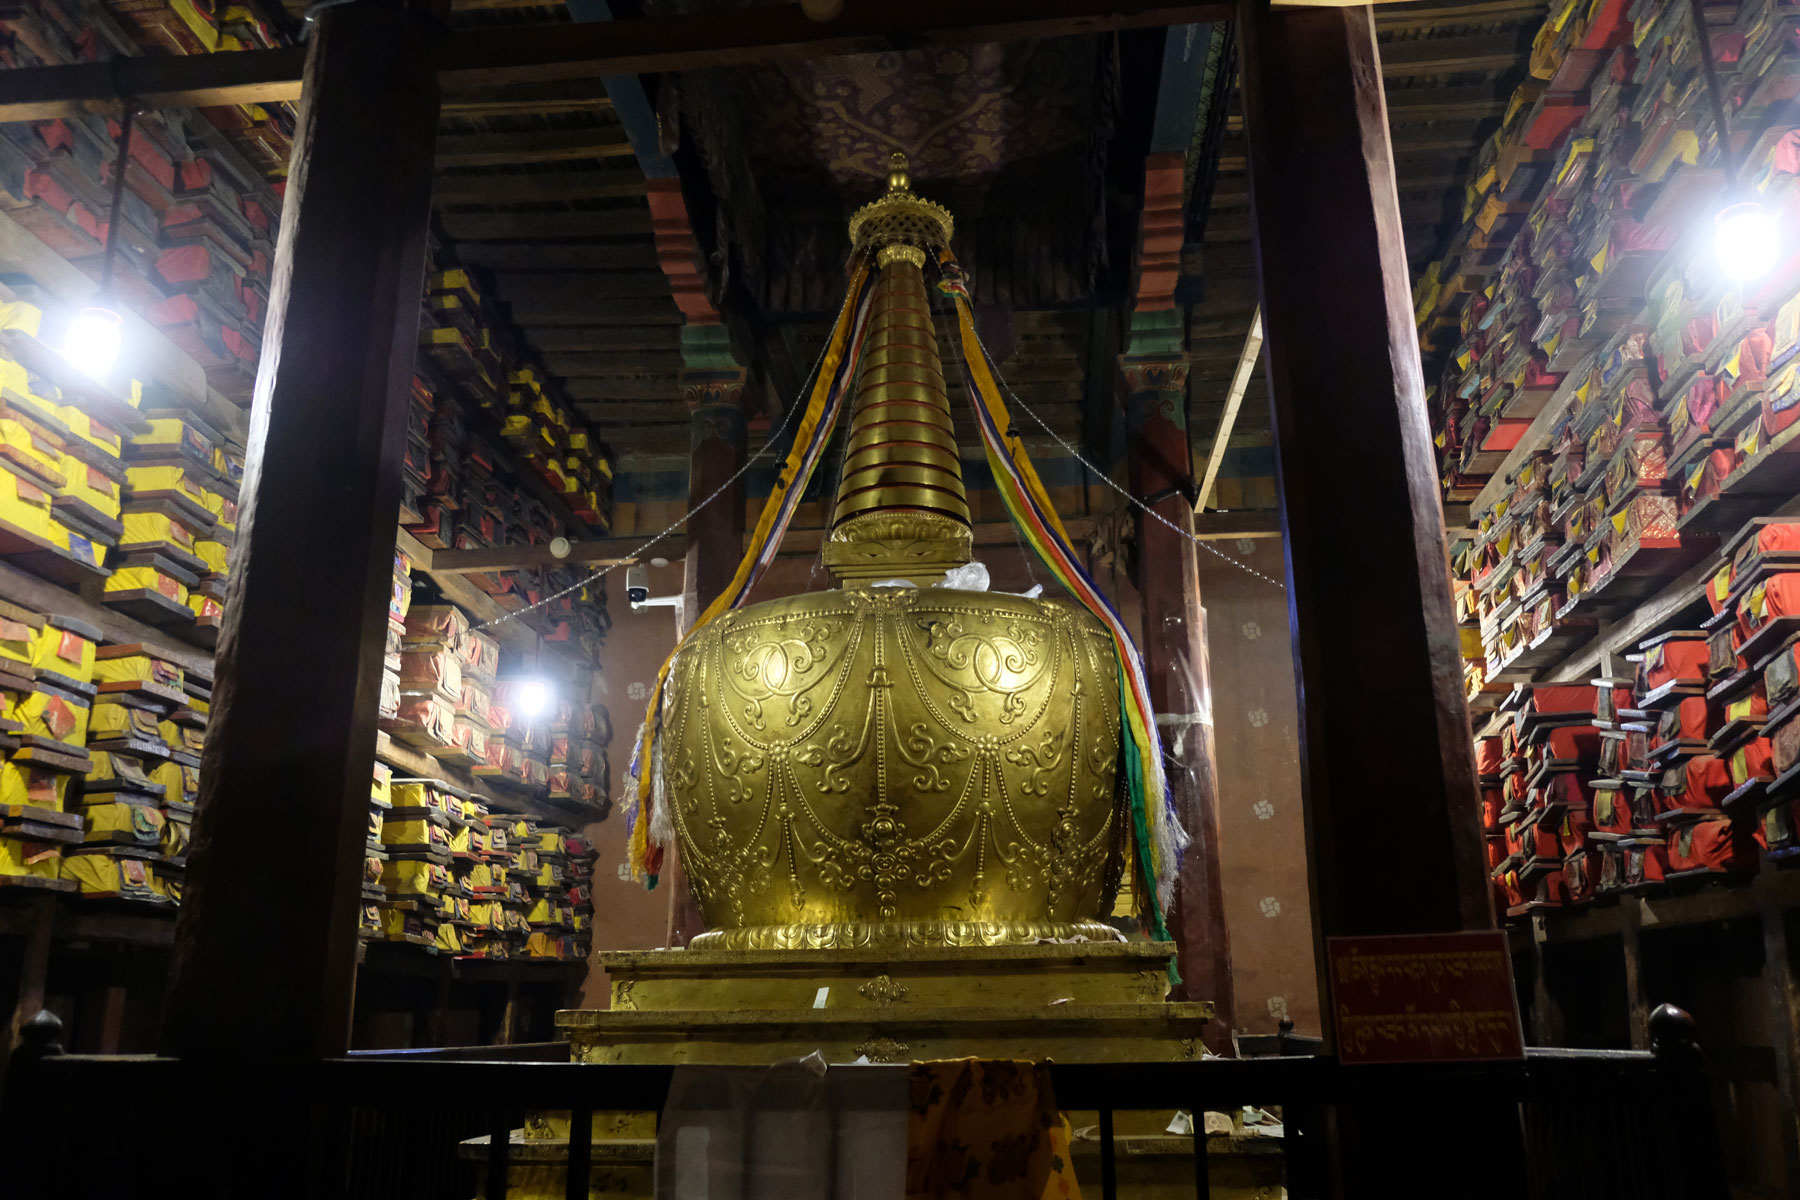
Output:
[[901, 510]]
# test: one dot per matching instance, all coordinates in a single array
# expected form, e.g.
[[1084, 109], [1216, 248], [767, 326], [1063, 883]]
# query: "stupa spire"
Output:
[[901, 510]]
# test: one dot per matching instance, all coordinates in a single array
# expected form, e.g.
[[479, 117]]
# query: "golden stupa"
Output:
[[897, 761], [897, 807]]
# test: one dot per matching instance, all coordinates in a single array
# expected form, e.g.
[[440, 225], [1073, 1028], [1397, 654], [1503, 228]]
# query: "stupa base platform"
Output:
[[1071, 1002], [1065, 1001]]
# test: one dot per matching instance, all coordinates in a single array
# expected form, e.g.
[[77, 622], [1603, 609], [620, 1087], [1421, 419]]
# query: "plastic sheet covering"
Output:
[[793, 1131]]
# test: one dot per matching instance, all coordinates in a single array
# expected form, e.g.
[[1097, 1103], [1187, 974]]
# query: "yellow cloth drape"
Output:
[[987, 1130]]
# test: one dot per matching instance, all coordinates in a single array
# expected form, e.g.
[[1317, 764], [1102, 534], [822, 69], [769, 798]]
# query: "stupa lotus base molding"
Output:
[[846, 935], [1072, 1002], [885, 977]]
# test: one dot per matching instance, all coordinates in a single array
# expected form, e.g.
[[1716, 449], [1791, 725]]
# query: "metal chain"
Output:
[[636, 553], [1108, 480]]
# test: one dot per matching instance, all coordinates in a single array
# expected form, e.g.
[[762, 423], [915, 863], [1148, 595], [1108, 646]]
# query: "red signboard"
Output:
[[1430, 997]]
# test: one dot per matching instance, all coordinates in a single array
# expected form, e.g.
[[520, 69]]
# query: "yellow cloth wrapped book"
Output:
[[32, 860], [66, 647]]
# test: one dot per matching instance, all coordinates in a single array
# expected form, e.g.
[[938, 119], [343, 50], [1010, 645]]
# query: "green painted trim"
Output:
[[708, 347], [1158, 332]]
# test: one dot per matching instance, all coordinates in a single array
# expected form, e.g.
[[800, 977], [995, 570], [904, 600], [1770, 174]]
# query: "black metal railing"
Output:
[[1594, 1124]]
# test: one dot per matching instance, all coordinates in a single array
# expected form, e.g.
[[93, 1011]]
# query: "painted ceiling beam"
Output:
[[494, 57]]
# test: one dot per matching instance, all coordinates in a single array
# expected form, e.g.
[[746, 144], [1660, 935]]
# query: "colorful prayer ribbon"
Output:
[[1157, 834]]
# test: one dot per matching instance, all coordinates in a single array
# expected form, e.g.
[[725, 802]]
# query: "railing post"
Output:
[[30, 1116], [1684, 1124], [499, 1146], [1109, 1167], [1202, 1165], [581, 1149]]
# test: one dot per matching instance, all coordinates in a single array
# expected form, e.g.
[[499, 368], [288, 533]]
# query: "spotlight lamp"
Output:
[[92, 339], [534, 697], [1746, 236], [1746, 240]]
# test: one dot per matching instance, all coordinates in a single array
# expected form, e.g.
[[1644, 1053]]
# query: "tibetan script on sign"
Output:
[[1429, 997]]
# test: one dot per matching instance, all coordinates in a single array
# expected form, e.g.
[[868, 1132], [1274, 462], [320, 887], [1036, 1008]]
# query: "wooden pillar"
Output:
[[265, 951], [1549, 1025], [1783, 993], [34, 967], [1387, 762], [1387, 759], [1637, 1004], [712, 385], [1154, 375]]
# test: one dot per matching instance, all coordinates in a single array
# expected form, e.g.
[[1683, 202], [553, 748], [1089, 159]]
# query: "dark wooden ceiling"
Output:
[[538, 186]]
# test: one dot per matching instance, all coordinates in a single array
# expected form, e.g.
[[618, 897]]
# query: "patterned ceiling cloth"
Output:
[[1012, 138]]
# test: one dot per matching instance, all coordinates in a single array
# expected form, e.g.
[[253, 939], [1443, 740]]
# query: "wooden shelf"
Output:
[[519, 636], [111, 922], [419, 765], [146, 354], [89, 395], [39, 595], [398, 958], [1711, 902]]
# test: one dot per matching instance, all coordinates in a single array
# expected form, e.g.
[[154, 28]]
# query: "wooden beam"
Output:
[[1477, 103], [476, 110], [1437, 136], [557, 287], [1241, 523], [189, 81], [1454, 55], [1240, 379], [1237, 193], [608, 414], [1236, 226], [286, 775], [605, 392], [608, 376], [574, 95], [736, 37], [510, 149], [535, 53], [615, 256], [648, 340], [1389, 18], [476, 227], [540, 187], [600, 310]]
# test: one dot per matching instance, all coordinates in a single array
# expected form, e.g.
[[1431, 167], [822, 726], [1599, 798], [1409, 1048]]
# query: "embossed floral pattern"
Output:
[[892, 755]]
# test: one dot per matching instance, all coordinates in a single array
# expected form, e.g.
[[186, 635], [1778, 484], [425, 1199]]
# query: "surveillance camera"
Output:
[[637, 584]]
